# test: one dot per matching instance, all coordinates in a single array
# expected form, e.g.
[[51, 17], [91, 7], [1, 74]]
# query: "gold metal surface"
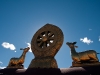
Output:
[[89, 56], [45, 43], [17, 62]]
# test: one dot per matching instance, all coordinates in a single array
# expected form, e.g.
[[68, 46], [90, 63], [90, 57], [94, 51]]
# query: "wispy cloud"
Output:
[[25, 68], [90, 29], [1, 63], [99, 38], [29, 45], [2, 67], [86, 40], [8, 45]]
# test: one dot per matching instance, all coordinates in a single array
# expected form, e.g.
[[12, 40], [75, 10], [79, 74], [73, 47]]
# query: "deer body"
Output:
[[89, 55], [74, 55], [20, 60]]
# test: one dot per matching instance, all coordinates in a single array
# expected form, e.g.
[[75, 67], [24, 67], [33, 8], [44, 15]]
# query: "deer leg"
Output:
[[95, 58], [78, 62]]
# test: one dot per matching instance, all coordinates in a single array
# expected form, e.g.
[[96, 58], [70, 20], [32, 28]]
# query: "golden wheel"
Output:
[[45, 39]]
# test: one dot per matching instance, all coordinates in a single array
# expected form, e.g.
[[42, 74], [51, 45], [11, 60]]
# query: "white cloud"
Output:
[[99, 38], [30, 50], [86, 40], [15, 51], [8, 45], [29, 45], [2, 67], [1, 62], [25, 68]]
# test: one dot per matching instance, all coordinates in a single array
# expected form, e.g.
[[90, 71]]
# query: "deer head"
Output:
[[25, 49], [72, 45]]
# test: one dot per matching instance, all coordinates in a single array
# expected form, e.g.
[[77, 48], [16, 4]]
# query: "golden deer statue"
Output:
[[17, 62], [89, 56]]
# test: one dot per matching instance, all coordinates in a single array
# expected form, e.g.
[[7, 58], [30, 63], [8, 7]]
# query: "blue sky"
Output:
[[20, 19]]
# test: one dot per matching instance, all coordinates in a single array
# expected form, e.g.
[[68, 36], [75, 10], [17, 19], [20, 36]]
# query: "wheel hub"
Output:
[[44, 38]]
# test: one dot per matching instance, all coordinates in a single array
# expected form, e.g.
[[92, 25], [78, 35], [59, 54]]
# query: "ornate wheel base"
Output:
[[46, 62], [45, 43], [16, 66]]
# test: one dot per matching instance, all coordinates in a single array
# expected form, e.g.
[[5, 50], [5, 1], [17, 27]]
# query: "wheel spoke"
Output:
[[44, 45], [39, 40], [51, 38], [50, 34], [41, 35], [39, 44], [46, 33]]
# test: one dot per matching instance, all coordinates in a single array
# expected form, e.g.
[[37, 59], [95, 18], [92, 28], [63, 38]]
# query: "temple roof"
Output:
[[52, 71]]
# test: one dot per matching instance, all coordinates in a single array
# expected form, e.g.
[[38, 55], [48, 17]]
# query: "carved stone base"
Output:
[[16, 66], [43, 63], [85, 64]]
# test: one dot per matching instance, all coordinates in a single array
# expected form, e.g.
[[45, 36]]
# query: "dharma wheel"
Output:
[[45, 43]]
